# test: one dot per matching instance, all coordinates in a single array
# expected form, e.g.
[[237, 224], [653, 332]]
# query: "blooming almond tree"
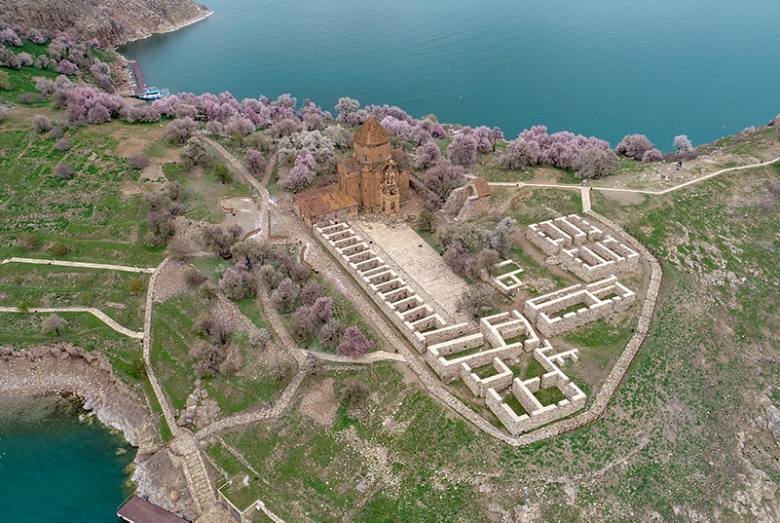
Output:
[[354, 343]]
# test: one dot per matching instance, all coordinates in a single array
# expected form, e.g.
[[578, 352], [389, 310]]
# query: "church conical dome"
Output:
[[371, 133]]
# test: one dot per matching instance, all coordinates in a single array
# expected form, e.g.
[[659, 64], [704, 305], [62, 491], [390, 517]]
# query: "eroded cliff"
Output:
[[113, 22]]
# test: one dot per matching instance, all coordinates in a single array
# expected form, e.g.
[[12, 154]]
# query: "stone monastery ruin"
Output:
[[485, 356]]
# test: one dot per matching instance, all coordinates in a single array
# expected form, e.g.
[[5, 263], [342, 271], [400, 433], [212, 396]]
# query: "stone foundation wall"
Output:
[[600, 299], [396, 299], [536, 414]]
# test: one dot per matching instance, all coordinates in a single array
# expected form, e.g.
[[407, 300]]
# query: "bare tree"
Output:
[[53, 324]]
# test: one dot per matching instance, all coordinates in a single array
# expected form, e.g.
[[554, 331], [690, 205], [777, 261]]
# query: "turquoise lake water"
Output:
[[54, 469], [705, 68]]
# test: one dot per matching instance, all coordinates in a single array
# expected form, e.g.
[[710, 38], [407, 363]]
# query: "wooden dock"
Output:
[[139, 84]]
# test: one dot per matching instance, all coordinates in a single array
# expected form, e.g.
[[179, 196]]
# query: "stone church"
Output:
[[374, 178]]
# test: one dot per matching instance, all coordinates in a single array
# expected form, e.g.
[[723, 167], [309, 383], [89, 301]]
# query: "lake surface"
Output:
[[705, 68], [56, 469]]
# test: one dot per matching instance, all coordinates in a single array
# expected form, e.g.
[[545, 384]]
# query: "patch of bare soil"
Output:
[[153, 172], [320, 404], [624, 198], [170, 281], [130, 189]]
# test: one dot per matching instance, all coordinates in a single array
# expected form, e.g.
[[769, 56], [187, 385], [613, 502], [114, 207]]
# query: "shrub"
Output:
[[5, 81], [477, 301], [285, 295], [64, 171], [139, 161], [255, 161], [259, 338], [59, 250], [67, 67], [520, 154], [27, 241], [428, 154], [651, 156], [41, 123], [463, 149], [180, 130], [596, 163], [62, 145], [220, 240], [45, 86], [301, 325], [330, 334], [53, 324]]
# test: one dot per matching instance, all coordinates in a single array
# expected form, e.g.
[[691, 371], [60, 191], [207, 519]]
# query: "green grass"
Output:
[[54, 286], [87, 213], [173, 338]]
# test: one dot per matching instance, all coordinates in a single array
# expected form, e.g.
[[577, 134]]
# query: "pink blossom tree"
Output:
[[180, 130], [255, 161], [428, 154], [651, 156], [442, 178], [354, 343], [463, 149], [302, 173], [67, 67], [634, 146], [520, 154]]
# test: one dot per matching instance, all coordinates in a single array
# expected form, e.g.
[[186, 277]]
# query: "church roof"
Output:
[[371, 133], [322, 200], [481, 186]]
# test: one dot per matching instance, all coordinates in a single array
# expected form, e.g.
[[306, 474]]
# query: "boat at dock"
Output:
[[153, 93]]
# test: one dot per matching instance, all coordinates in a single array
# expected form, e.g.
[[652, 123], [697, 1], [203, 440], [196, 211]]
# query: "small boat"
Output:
[[152, 93]]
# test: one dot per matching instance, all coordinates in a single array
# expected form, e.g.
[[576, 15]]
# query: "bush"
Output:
[[255, 161], [41, 123], [62, 145], [520, 154], [139, 161], [477, 301], [59, 250], [285, 295], [651, 156], [64, 171], [596, 163], [53, 324]]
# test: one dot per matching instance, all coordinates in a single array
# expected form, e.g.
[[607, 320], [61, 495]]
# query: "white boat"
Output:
[[153, 93]]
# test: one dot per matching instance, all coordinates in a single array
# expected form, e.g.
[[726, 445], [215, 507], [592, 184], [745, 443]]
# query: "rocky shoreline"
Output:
[[61, 369]]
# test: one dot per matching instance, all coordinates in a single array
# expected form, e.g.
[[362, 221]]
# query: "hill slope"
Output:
[[113, 22]]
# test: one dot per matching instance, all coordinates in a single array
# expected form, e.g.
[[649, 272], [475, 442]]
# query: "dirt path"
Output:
[[61, 263]]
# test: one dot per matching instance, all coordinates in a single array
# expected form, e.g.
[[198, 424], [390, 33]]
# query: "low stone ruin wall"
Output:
[[398, 301], [536, 414], [598, 299]]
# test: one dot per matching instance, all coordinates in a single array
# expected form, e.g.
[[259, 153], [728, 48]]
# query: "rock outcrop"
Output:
[[112, 22]]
